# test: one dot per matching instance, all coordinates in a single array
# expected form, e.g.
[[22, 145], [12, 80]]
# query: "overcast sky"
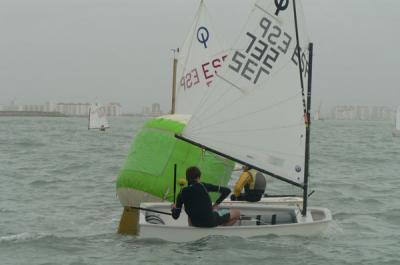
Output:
[[119, 50]]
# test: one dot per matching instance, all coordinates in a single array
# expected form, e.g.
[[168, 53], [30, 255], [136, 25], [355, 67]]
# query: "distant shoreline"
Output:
[[18, 113], [31, 114]]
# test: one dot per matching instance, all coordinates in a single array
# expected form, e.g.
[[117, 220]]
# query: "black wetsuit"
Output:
[[198, 205]]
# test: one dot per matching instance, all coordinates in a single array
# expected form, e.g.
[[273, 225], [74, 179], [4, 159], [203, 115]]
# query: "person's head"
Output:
[[246, 168], [193, 175]]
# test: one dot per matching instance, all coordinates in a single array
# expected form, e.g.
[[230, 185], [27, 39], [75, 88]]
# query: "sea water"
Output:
[[58, 203]]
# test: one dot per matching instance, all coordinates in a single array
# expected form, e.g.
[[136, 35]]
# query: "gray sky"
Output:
[[119, 50]]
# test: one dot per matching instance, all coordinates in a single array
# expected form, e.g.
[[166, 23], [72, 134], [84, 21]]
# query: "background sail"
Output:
[[97, 117], [200, 57], [255, 110]]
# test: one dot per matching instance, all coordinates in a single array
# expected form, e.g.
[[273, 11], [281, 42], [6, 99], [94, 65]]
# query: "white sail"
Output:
[[398, 119], [200, 57], [316, 116], [255, 110], [97, 117]]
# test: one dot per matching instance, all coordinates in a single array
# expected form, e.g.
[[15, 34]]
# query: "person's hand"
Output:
[[173, 206]]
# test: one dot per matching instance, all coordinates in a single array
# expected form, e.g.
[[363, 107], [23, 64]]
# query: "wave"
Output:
[[46, 182], [22, 237]]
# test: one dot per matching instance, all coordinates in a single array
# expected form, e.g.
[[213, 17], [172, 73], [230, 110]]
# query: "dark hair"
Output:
[[192, 173]]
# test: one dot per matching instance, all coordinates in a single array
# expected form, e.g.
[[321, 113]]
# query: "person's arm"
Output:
[[177, 208], [245, 178], [223, 191]]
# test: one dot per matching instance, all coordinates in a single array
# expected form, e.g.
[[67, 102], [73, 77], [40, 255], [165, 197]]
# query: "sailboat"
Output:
[[396, 131], [257, 114], [317, 115], [97, 118], [146, 173]]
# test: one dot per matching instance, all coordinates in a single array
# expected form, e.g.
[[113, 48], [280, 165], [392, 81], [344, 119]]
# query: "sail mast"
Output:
[[306, 107], [88, 126], [175, 63], [308, 128]]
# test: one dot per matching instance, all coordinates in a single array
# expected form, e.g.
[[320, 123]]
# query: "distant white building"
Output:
[[73, 109], [154, 110], [82, 109], [113, 109], [70, 109], [375, 113], [13, 107]]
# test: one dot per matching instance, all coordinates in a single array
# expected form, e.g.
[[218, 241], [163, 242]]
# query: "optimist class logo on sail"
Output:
[[203, 35], [205, 71]]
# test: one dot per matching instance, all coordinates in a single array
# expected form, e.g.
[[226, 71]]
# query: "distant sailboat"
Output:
[[396, 131], [317, 115], [97, 118]]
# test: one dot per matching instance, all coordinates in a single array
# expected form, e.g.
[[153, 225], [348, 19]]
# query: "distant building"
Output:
[[13, 107], [154, 110], [113, 109], [82, 109], [69, 109], [374, 113]]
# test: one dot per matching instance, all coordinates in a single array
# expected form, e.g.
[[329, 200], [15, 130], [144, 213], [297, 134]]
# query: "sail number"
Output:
[[262, 51], [207, 72]]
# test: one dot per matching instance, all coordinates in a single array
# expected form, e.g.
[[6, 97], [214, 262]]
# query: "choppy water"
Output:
[[58, 203]]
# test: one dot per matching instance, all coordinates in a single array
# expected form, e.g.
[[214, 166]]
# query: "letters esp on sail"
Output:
[[200, 58], [255, 110]]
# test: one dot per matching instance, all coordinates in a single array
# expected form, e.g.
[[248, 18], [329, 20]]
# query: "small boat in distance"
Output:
[[97, 118], [396, 131]]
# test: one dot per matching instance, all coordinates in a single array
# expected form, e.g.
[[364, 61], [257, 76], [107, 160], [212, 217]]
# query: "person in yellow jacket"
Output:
[[254, 184]]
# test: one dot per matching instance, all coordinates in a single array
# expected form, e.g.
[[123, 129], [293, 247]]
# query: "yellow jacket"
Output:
[[246, 179]]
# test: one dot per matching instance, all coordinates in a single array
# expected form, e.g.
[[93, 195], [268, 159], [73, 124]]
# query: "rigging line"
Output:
[[299, 59], [258, 129], [261, 151], [149, 210], [246, 115], [191, 37]]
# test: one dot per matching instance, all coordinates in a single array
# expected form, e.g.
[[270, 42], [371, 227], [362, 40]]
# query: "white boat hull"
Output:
[[273, 201], [288, 221]]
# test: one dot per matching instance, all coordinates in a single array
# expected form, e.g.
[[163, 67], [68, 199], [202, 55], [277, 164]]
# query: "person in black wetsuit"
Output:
[[198, 205]]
